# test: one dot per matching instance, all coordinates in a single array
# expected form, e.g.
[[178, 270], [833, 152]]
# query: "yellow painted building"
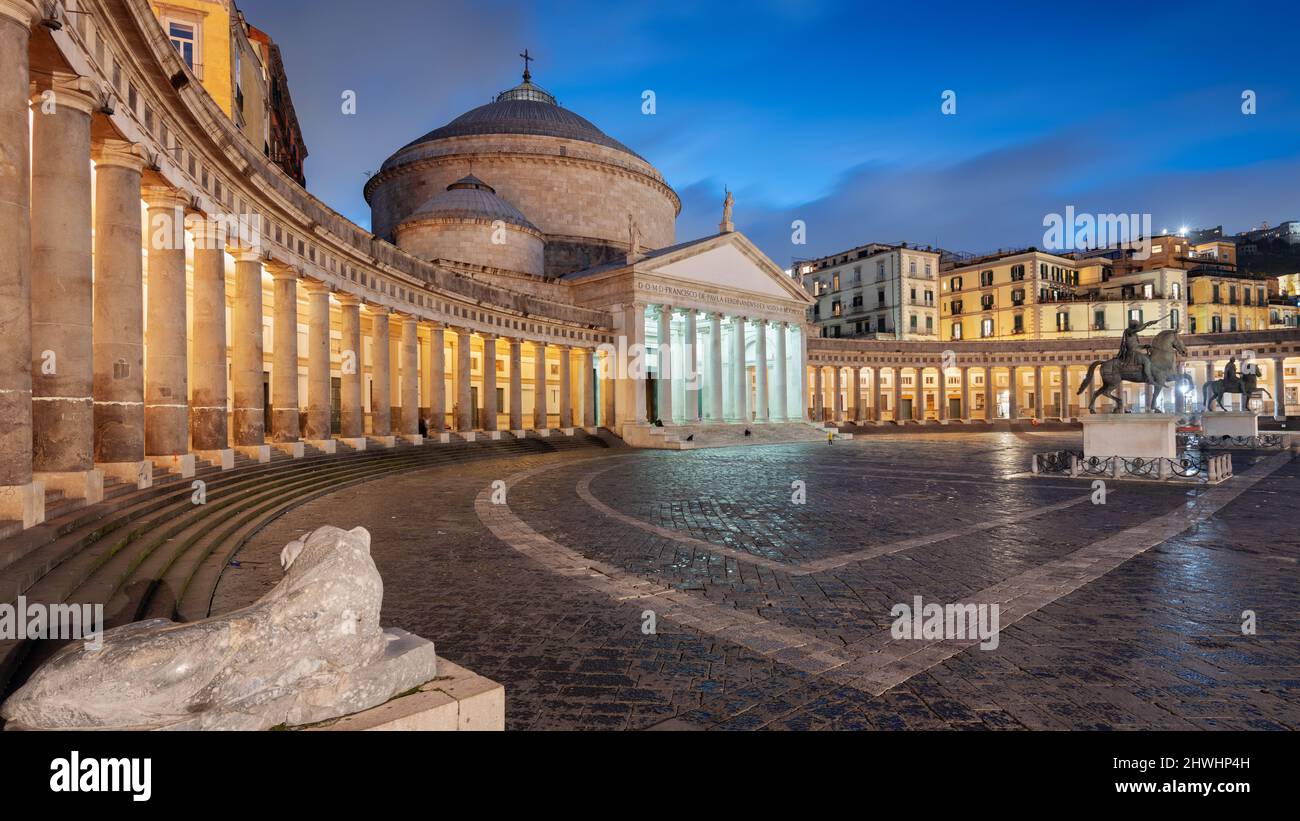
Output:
[[1288, 285], [1037, 295], [1219, 302]]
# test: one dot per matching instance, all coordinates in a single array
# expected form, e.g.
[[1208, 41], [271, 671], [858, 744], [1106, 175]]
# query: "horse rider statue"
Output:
[[1154, 364], [1246, 384]]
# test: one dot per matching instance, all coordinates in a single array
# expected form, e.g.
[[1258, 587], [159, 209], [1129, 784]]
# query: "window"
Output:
[[1191, 324], [955, 306], [955, 283], [184, 37], [1042, 270], [1018, 324], [986, 302], [1062, 321], [1245, 295], [1017, 273], [956, 330], [880, 297], [1232, 323], [1173, 319], [1135, 316], [929, 297], [986, 327], [1261, 298], [1216, 298], [912, 322], [911, 265], [1018, 296], [929, 324], [986, 278], [1176, 290], [1216, 324], [1099, 319], [835, 282], [1148, 290]]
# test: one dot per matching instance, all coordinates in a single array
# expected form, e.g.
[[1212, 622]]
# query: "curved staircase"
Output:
[[158, 553]]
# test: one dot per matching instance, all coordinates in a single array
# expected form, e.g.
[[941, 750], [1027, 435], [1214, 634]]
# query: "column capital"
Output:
[[209, 234], [164, 196], [22, 11], [348, 300], [315, 286], [281, 270], [375, 309], [70, 90], [488, 336], [245, 254], [119, 153]]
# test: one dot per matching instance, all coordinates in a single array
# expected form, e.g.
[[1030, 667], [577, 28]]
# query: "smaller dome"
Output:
[[470, 198]]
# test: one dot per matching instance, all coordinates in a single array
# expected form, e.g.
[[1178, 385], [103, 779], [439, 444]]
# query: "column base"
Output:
[[591, 430], [223, 458], [384, 441], [23, 503], [139, 474], [413, 438], [182, 463], [543, 432], [354, 442], [567, 431], [467, 435], [75, 484], [323, 445], [441, 438], [295, 450], [519, 434], [258, 453], [492, 435]]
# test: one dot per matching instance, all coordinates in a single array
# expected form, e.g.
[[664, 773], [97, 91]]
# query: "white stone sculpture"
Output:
[[309, 650]]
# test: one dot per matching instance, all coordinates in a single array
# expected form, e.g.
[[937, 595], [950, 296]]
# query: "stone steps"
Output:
[[153, 553]]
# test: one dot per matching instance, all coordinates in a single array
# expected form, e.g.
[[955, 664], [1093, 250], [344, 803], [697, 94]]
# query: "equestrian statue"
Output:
[[1155, 365], [1245, 384]]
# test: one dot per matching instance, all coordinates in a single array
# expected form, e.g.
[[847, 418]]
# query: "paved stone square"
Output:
[[769, 614]]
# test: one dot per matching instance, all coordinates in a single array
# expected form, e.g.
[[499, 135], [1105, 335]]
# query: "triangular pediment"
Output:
[[727, 261]]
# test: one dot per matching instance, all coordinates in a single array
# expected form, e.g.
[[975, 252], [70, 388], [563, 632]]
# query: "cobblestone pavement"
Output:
[[772, 614]]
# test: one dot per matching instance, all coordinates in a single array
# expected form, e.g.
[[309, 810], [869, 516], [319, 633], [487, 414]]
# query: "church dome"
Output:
[[469, 198]]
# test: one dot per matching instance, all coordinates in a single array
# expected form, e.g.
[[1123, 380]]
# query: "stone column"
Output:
[[1279, 388], [1013, 395], [898, 394], [516, 388], [22, 498], [715, 367], [965, 393], [876, 416], [692, 376], [782, 409], [990, 394], [352, 420], [855, 388], [819, 408], [1065, 394], [588, 389], [742, 374], [760, 372], [566, 388], [608, 391], [381, 372], [464, 397], [1038, 392], [437, 380], [62, 410], [918, 395], [284, 361], [664, 376], [837, 394], [209, 397], [166, 373], [316, 428], [118, 336], [246, 356], [541, 422], [409, 363], [490, 384], [941, 402]]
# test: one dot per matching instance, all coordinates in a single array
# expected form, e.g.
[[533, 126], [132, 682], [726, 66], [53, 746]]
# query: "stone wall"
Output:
[[471, 242]]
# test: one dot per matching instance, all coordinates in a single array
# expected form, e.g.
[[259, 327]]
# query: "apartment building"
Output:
[[874, 291]]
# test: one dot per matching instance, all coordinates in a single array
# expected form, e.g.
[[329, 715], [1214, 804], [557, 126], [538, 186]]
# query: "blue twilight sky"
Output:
[[831, 112]]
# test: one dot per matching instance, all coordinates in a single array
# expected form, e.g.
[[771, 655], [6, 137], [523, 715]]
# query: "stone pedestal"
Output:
[[23, 503], [139, 474], [182, 463], [1146, 435], [75, 484], [223, 458], [258, 453], [322, 445], [354, 442], [1230, 423], [295, 450]]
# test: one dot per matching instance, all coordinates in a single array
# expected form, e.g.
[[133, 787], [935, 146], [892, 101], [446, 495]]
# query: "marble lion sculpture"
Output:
[[309, 650]]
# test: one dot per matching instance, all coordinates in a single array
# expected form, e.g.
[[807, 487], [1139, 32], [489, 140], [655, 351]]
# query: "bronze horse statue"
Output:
[[1157, 366], [1246, 385]]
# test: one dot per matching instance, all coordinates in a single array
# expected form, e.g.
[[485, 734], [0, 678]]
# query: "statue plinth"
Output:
[[1131, 435], [1230, 423]]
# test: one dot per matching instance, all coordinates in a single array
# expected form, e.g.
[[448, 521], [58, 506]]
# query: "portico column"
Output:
[[437, 379], [818, 409], [588, 388], [1279, 389], [284, 357], [692, 376], [715, 366], [351, 415], [22, 498], [516, 387], [742, 374], [381, 396], [1065, 394], [540, 420], [855, 385], [166, 382], [62, 441], [566, 387], [1013, 402], [118, 335], [918, 394], [990, 394], [837, 397], [898, 394], [608, 391], [317, 429], [409, 362], [665, 375], [965, 393], [246, 354], [489, 382], [1038, 392], [209, 397], [782, 410], [760, 371], [464, 415], [875, 395], [941, 401]]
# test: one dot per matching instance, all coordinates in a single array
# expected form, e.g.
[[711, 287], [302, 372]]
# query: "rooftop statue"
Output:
[[1155, 365], [309, 650]]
